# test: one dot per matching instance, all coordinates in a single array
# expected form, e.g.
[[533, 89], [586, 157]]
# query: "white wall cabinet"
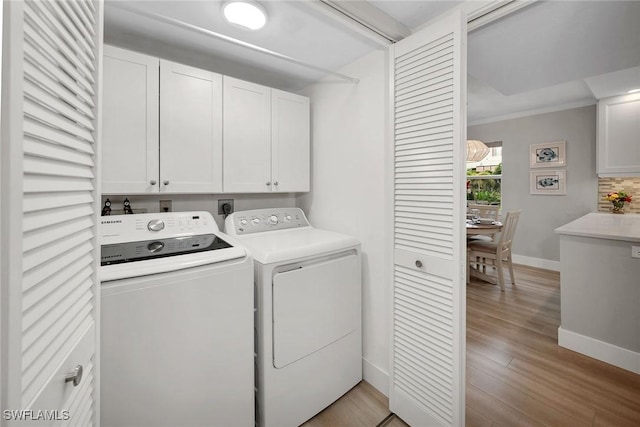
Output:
[[162, 126], [165, 125], [246, 137], [266, 139], [190, 129], [130, 156], [290, 142], [618, 150]]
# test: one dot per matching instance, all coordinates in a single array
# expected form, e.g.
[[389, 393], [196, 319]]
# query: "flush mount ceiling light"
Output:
[[245, 13], [476, 150]]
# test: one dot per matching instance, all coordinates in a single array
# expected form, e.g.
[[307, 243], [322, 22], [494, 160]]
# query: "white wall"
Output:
[[348, 188], [535, 242]]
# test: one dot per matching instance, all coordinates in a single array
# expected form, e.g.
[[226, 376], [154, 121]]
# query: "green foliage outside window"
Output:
[[484, 190]]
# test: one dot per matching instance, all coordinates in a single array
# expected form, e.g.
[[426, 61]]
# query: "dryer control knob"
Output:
[[273, 220], [255, 221], [287, 218], [155, 225], [243, 222]]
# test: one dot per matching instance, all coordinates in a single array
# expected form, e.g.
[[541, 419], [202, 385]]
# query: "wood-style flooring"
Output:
[[517, 375]]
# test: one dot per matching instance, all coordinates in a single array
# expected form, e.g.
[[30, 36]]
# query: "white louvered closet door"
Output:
[[428, 308], [50, 203]]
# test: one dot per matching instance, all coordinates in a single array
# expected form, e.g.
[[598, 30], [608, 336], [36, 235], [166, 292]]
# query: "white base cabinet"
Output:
[[618, 150], [266, 139]]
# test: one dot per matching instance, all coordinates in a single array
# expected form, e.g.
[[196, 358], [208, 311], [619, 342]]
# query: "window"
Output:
[[484, 178]]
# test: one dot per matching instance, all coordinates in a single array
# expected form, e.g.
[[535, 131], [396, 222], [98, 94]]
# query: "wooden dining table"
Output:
[[483, 229]]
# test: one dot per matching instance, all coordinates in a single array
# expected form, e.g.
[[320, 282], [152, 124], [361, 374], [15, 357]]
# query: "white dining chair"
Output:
[[498, 252]]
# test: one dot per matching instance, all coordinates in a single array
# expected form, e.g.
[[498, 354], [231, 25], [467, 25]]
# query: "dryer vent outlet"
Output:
[[225, 206]]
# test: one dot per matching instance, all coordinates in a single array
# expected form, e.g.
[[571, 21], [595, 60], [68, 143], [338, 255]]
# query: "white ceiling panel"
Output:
[[554, 42]]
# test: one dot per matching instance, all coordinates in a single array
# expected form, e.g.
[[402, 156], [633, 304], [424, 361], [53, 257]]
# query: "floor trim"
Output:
[[375, 376], [614, 355], [546, 264]]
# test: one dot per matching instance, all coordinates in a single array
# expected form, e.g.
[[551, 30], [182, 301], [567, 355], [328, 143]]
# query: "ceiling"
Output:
[[551, 54]]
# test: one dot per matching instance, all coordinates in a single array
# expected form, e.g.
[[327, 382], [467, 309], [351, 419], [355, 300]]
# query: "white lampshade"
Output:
[[476, 150]]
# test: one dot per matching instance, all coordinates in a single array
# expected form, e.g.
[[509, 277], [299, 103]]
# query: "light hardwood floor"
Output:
[[517, 375]]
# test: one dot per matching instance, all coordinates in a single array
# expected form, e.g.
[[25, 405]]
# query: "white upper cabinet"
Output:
[[171, 128], [266, 139], [130, 122], [618, 130], [290, 133], [190, 129], [247, 137]]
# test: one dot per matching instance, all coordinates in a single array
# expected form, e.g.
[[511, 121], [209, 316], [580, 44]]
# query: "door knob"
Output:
[[74, 376], [275, 183], [418, 263], [268, 183], [166, 182], [152, 182]]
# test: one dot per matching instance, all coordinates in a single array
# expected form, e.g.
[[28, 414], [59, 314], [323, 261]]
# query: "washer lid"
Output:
[[286, 245], [172, 263]]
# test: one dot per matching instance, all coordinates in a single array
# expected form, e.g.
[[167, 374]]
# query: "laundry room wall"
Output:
[[201, 202], [348, 188]]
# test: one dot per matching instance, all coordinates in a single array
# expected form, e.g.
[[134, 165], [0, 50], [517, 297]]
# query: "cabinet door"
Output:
[[130, 122], [247, 137], [618, 130], [190, 129], [289, 141]]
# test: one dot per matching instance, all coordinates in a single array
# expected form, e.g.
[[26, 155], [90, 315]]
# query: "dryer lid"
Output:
[[286, 245]]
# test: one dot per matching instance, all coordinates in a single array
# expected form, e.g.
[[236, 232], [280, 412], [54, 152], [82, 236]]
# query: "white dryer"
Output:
[[308, 322]]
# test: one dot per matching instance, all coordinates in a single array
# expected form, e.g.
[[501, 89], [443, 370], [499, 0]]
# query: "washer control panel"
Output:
[[261, 220], [143, 227]]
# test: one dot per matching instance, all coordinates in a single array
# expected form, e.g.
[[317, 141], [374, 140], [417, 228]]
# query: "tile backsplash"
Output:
[[630, 185]]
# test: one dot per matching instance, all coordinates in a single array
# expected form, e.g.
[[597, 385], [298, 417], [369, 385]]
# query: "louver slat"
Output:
[[59, 196]]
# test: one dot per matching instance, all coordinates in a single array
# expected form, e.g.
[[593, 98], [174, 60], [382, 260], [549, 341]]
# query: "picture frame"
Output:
[[548, 155], [548, 182]]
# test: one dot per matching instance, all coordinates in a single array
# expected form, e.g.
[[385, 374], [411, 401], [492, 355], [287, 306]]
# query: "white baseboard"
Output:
[[375, 376], [614, 355], [547, 264]]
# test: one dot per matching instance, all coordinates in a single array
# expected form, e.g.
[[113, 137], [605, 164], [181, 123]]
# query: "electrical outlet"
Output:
[[165, 205], [221, 203], [635, 251]]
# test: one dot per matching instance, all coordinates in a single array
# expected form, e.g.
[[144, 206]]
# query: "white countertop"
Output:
[[604, 226]]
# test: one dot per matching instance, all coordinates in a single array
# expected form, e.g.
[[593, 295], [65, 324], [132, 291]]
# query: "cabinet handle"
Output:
[[418, 263], [268, 183], [166, 182], [74, 376], [275, 183], [153, 182]]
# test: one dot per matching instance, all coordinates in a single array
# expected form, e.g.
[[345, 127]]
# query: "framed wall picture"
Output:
[[549, 182], [548, 155]]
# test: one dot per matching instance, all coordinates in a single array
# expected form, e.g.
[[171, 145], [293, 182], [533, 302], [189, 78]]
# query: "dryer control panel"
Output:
[[262, 220]]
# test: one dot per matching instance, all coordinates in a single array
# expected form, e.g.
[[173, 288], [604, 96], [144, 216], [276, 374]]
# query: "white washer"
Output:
[[177, 344], [308, 323]]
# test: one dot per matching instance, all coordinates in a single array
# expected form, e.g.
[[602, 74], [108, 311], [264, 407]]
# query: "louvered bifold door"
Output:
[[50, 211], [427, 369]]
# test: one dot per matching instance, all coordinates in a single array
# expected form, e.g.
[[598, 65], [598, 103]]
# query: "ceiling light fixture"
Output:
[[245, 13], [634, 90], [476, 150]]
